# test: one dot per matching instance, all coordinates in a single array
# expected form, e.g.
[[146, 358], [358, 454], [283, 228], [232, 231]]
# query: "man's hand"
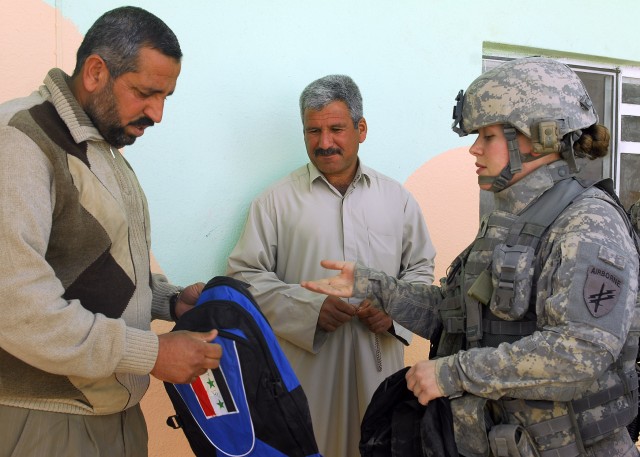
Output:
[[334, 312], [375, 319], [421, 380], [188, 298], [183, 356]]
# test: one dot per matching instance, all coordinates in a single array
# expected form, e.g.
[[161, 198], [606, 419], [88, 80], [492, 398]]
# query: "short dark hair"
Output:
[[118, 35], [331, 88]]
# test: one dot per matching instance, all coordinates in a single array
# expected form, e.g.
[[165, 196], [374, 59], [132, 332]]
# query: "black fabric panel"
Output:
[[103, 287], [50, 122]]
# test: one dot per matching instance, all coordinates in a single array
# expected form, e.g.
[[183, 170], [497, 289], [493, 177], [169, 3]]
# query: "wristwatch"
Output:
[[173, 301]]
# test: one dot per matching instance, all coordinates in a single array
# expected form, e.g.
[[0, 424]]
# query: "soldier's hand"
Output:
[[421, 380], [335, 312], [183, 356]]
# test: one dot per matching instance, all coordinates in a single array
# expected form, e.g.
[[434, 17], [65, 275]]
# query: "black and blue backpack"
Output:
[[253, 404]]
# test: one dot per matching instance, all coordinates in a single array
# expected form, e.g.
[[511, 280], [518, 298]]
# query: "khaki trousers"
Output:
[[32, 433]]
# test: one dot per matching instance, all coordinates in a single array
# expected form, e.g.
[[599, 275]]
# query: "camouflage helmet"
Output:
[[522, 93]]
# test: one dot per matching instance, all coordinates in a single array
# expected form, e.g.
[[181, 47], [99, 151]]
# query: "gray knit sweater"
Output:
[[77, 293]]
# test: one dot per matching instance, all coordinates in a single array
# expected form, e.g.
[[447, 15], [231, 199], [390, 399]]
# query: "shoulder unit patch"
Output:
[[601, 291]]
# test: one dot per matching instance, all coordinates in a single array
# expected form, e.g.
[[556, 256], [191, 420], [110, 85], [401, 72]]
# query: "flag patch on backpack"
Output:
[[252, 404], [213, 394]]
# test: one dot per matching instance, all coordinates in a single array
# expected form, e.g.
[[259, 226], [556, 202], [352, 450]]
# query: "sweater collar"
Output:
[[56, 89]]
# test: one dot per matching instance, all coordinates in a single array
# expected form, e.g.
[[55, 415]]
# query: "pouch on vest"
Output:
[[512, 272], [482, 288], [509, 440], [471, 424]]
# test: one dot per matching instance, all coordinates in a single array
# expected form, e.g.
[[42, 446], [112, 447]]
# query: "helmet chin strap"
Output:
[[514, 165], [516, 158], [567, 153]]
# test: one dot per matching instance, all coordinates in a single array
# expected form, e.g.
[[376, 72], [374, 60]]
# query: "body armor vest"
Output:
[[489, 298]]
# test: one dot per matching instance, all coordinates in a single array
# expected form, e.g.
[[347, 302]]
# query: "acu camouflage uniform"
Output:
[[573, 351], [551, 370]]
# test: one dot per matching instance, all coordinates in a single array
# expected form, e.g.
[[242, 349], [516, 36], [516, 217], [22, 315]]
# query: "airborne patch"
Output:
[[601, 291]]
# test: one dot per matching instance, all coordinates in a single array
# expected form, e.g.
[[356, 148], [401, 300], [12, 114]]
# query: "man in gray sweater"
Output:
[[76, 348]]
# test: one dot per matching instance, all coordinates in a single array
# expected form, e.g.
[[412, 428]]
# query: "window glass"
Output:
[[631, 91], [630, 128], [629, 179], [600, 86]]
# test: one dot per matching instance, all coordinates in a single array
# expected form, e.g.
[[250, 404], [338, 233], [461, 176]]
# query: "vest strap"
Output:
[[514, 328], [608, 424], [543, 211], [454, 324], [600, 398], [505, 292], [570, 450]]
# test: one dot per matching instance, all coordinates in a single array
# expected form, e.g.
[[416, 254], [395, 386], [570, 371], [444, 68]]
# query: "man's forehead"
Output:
[[327, 115], [154, 77]]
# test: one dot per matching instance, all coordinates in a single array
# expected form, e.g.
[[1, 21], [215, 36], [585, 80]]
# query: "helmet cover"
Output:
[[522, 93]]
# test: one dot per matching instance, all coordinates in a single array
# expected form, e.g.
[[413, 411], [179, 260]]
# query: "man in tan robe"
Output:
[[333, 207]]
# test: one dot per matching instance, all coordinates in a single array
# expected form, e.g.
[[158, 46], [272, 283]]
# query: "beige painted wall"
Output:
[[35, 38], [442, 187]]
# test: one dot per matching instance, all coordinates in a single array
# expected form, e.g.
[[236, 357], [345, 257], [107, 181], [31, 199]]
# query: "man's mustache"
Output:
[[142, 122], [327, 152]]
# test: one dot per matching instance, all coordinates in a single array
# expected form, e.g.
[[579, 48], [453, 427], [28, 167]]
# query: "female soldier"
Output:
[[532, 323]]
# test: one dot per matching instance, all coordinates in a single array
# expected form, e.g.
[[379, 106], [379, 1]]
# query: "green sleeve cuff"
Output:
[[361, 281]]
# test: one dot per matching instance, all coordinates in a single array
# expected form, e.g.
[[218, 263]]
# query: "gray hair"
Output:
[[329, 89], [118, 35]]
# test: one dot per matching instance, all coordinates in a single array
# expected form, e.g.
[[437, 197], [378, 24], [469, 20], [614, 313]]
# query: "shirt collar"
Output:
[[362, 175]]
